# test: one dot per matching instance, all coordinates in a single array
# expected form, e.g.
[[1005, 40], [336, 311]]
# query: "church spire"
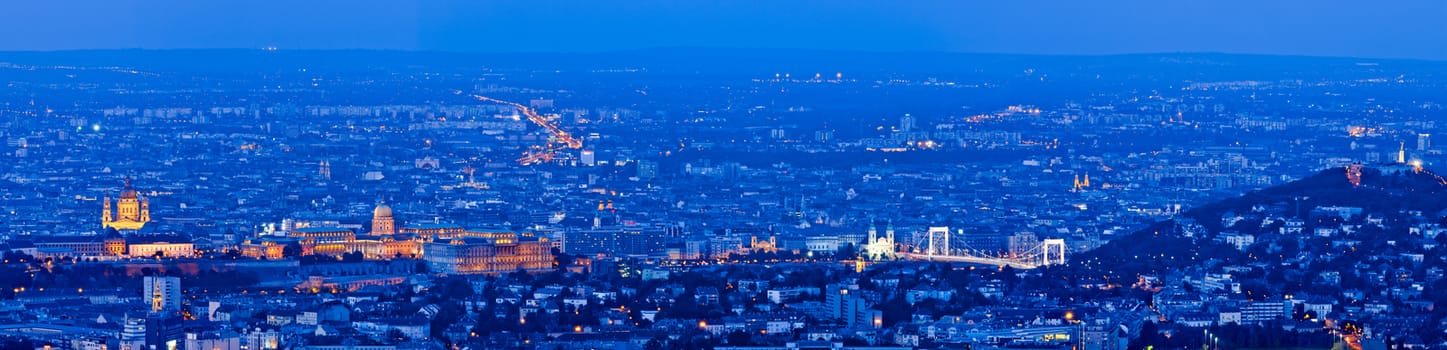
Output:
[[889, 232], [1402, 153]]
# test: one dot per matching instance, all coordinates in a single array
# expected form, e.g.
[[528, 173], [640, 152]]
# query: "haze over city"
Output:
[[1396, 29]]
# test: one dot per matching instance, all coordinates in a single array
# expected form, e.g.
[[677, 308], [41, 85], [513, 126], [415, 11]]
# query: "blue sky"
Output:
[[1388, 28]]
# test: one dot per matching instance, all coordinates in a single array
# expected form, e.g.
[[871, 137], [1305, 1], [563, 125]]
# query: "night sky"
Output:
[[1385, 29]]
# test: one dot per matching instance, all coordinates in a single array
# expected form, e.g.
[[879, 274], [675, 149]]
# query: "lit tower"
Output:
[[145, 210], [939, 241], [326, 170], [889, 235], [105, 215], [1402, 153], [158, 298], [163, 293]]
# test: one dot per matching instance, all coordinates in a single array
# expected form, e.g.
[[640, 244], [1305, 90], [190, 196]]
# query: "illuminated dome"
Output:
[[382, 223], [128, 192]]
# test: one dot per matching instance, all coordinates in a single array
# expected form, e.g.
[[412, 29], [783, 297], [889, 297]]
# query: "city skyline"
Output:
[[368, 175]]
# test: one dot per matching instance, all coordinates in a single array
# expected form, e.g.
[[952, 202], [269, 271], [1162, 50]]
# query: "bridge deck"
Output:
[[968, 259]]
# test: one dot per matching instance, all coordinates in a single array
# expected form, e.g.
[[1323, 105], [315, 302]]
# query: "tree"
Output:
[[453, 288], [895, 310], [739, 338], [653, 344], [396, 335], [354, 256], [845, 251], [16, 256], [447, 314], [1149, 336], [291, 250]]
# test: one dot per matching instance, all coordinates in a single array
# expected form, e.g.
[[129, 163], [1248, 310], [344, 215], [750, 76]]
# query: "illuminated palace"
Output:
[[113, 246], [445, 248], [488, 253], [131, 211]]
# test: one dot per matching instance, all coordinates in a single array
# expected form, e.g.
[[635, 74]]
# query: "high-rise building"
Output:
[[1021, 243], [618, 240], [842, 304], [906, 123], [165, 331], [823, 136], [647, 169], [162, 292], [1424, 141], [587, 157]]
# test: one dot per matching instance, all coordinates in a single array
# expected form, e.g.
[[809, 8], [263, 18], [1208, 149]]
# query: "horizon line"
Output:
[[727, 48]]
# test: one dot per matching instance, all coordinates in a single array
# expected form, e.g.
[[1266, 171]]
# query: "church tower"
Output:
[[1402, 153], [889, 234], [105, 215], [145, 210]]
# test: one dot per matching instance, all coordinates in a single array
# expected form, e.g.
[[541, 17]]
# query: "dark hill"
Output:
[[1389, 191]]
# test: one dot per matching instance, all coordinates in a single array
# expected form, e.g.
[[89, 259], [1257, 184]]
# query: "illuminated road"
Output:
[[1013, 263], [539, 154]]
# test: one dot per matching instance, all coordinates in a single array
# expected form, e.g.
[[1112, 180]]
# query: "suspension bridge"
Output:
[[939, 244]]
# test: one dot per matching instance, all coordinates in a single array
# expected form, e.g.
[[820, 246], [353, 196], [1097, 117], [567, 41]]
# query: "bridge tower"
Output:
[[939, 241], [1052, 252]]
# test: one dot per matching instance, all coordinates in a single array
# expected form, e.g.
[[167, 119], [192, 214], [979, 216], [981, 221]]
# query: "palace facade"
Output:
[[446, 248]]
